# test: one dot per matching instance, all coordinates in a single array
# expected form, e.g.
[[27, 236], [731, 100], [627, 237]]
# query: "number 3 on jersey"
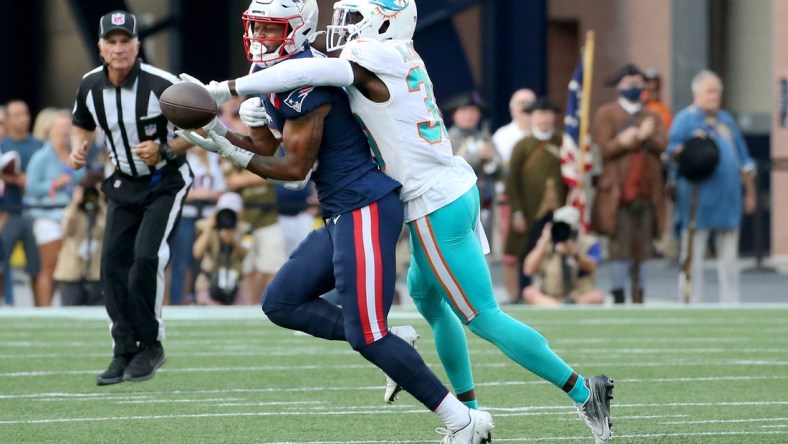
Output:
[[433, 130]]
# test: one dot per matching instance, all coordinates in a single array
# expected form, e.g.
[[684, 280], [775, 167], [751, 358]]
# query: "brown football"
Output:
[[187, 105]]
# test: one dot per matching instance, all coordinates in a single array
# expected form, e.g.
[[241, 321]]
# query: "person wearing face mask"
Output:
[[629, 206], [534, 185]]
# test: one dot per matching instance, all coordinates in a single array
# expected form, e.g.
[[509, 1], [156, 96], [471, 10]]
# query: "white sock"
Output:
[[453, 413]]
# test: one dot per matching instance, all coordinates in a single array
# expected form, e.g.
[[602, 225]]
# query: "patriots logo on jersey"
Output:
[[296, 98]]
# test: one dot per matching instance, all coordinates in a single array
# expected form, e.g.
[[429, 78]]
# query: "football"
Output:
[[187, 105]]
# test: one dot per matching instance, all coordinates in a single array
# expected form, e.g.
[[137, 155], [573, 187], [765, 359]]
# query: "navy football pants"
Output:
[[354, 252]]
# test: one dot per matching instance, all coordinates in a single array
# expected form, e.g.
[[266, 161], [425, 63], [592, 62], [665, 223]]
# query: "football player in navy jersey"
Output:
[[354, 252]]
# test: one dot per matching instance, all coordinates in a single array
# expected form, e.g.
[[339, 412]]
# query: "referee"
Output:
[[145, 192]]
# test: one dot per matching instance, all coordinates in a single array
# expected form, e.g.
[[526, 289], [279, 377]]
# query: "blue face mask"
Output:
[[631, 94]]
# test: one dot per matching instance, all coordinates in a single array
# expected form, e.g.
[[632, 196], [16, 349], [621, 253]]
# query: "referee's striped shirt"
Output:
[[128, 114]]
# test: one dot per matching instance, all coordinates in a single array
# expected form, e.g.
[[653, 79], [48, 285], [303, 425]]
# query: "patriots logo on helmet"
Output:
[[296, 98]]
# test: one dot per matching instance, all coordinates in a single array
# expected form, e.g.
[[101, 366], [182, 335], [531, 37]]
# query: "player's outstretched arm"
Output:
[[295, 74]]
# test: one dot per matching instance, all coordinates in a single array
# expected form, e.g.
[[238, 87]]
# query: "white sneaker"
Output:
[[478, 431], [408, 334]]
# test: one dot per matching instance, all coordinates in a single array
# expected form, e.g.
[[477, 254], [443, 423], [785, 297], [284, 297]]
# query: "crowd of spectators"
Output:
[[52, 219], [237, 229]]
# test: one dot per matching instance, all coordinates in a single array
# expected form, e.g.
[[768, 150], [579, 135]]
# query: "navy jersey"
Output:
[[346, 176]]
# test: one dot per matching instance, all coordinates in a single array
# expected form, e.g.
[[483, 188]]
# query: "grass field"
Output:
[[694, 375]]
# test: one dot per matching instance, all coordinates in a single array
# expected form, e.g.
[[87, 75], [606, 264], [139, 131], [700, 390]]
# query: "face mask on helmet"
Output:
[[275, 30], [372, 19]]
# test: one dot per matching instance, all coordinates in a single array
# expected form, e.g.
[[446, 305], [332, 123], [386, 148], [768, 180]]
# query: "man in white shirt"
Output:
[[504, 140]]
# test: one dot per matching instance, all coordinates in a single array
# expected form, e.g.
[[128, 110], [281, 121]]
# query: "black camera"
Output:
[[226, 219], [90, 199], [562, 231]]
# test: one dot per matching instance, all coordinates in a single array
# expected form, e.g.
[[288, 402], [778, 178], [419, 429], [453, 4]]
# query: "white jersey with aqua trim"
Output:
[[406, 133]]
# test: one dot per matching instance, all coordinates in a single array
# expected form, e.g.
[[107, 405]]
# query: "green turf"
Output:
[[697, 375]]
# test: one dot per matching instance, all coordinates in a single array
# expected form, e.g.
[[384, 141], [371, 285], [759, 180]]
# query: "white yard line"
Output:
[[279, 368], [582, 438]]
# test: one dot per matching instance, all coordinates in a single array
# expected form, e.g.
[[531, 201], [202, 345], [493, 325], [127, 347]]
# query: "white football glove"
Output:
[[219, 90], [253, 113], [219, 145], [217, 126]]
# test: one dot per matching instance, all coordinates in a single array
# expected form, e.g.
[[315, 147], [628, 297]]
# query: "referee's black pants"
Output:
[[141, 217]]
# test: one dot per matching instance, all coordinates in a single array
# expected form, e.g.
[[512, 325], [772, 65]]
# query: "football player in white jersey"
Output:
[[391, 94]]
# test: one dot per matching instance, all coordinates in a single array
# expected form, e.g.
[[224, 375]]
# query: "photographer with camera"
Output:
[[79, 262], [563, 263], [220, 252]]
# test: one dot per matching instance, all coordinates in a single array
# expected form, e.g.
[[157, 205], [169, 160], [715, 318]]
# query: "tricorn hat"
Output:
[[699, 158], [467, 98], [544, 104], [626, 70]]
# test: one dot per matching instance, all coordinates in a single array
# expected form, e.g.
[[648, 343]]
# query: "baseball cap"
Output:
[[230, 201], [118, 20], [651, 74], [567, 214]]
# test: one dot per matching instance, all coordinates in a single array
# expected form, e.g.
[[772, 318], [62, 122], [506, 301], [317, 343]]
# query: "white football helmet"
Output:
[[372, 19], [299, 18]]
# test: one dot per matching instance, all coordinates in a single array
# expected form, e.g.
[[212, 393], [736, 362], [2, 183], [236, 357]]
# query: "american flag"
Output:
[[570, 154]]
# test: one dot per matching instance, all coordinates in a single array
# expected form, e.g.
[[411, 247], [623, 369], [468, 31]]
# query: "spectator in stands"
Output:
[[564, 263], [667, 245], [6, 271], [79, 262], [206, 188], [221, 253], [504, 140], [19, 226], [629, 205], [267, 253], [231, 116], [720, 197], [50, 182], [296, 217], [508, 135], [2, 123], [535, 188], [471, 140], [43, 122], [652, 97]]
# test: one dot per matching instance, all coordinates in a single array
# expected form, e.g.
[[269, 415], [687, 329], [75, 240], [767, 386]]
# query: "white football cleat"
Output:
[[478, 431], [595, 411], [408, 334]]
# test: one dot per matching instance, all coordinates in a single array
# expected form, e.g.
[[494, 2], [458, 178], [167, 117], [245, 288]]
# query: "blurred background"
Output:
[[493, 47]]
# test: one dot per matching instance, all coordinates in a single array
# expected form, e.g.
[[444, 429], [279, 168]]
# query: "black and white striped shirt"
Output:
[[128, 114]]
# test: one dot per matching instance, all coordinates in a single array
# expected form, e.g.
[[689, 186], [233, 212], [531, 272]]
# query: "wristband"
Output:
[[239, 156], [166, 152]]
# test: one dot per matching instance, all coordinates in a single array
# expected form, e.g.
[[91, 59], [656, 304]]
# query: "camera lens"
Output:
[[560, 231]]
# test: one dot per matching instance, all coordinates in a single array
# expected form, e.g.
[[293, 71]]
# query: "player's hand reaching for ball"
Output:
[[78, 157], [219, 90], [219, 145]]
